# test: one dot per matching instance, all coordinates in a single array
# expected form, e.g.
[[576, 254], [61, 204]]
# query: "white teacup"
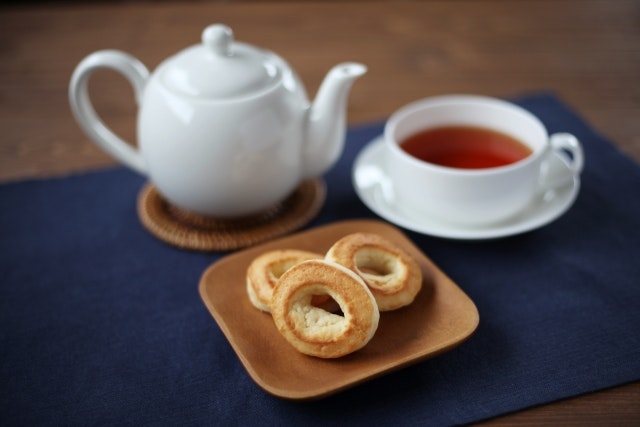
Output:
[[474, 196]]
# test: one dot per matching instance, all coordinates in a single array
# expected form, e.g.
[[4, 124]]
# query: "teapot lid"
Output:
[[219, 68]]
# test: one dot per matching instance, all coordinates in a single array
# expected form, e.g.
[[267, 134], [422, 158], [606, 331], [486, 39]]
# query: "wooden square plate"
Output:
[[441, 317]]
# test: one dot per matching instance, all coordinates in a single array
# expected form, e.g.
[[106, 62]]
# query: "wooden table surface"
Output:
[[586, 52]]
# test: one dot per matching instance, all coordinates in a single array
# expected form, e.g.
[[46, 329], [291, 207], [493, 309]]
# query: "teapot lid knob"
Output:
[[219, 67], [218, 38]]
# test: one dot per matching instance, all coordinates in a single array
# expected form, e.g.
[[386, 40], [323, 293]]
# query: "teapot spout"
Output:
[[326, 122]]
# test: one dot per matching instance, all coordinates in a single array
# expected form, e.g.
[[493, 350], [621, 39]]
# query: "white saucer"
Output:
[[375, 189]]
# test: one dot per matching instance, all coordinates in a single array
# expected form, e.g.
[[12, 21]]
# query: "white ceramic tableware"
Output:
[[475, 197], [224, 128], [375, 189]]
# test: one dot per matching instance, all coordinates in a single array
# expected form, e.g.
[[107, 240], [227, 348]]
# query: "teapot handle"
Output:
[[85, 114]]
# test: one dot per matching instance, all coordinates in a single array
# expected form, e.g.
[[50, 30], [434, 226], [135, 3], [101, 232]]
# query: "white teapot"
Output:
[[224, 129]]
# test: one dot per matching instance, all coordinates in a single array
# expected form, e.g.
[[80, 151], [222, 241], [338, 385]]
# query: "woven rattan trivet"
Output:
[[190, 231]]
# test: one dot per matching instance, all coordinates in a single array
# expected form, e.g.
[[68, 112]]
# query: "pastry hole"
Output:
[[279, 269], [374, 263], [327, 303], [314, 322]]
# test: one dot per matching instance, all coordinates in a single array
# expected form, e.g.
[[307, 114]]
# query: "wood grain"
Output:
[[587, 52]]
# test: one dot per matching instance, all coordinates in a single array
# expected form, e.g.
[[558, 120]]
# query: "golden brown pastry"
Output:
[[392, 275], [265, 270], [313, 330]]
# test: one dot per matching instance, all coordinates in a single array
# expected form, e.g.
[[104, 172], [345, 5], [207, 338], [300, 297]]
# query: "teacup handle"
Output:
[[86, 116], [567, 146]]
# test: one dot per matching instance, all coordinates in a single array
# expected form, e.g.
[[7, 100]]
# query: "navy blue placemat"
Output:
[[100, 323]]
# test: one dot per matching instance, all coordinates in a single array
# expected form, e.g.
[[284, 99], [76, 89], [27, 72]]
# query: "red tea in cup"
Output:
[[465, 147]]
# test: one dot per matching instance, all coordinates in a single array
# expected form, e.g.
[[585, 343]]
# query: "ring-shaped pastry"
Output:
[[265, 270], [317, 332], [393, 276]]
